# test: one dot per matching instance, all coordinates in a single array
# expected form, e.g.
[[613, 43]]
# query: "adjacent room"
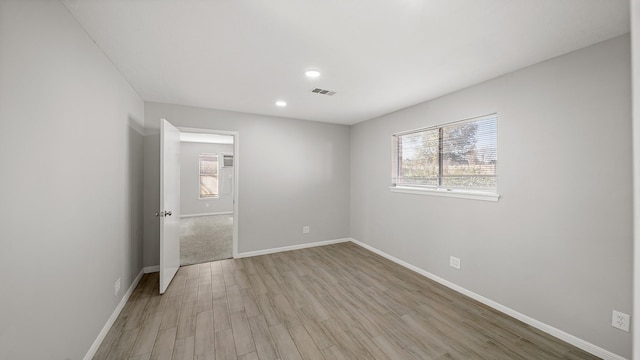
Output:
[[409, 179], [206, 197]]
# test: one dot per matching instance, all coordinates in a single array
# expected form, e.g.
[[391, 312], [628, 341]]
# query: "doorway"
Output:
[[207, 173], [170, 192]]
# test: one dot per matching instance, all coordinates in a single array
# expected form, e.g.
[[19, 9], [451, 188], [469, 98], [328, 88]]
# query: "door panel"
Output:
[[169, 203]]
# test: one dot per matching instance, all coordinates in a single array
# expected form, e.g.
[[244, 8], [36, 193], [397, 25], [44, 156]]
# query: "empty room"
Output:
[[403, 179]]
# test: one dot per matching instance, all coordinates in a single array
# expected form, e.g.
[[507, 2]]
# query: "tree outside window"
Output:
[[460, 155]]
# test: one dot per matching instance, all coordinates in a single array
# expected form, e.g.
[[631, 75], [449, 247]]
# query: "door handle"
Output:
[[163, 213]]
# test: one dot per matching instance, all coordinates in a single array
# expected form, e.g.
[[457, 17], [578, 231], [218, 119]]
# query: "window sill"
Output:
[[473, 195]]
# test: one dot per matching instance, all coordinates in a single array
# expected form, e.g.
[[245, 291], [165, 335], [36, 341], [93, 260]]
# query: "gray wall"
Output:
[[635, 66], [190, 202], [151, 202], [292, 173], [557, 246], [70, 187]]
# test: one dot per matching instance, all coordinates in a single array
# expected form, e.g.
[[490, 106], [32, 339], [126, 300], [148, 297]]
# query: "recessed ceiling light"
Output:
[[281, 103], [312, 73]]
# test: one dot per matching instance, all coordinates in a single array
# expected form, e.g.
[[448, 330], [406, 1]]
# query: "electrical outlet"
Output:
[[620, 321], [206, 204], [454, 262], [306, 230], [117, 286]]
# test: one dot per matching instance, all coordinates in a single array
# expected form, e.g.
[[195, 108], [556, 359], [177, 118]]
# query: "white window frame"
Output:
[[485, 195]]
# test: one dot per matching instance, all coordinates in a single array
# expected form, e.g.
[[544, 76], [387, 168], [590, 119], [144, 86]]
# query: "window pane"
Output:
[[208, 166], [208, 176], [469, 152], [208, 186], [418, 158]]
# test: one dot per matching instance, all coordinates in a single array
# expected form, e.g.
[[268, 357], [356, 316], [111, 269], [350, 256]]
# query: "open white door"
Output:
[[169, 203]]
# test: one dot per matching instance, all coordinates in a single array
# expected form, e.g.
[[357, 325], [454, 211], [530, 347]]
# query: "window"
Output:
[[460, 157], [208, 176]]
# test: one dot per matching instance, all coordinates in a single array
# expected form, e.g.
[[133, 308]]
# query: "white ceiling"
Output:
[[378, 55]]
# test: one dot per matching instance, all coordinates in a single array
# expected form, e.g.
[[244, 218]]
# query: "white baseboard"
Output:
[[151, 269], [573, 340], [207, 214], [289, 248], [105, 329]]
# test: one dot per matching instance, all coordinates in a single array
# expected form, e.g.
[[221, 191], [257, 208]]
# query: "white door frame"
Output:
[[236, 173]]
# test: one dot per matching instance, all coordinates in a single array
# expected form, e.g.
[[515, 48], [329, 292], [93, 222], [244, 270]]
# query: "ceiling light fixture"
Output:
[[312, 73], [281, 103]]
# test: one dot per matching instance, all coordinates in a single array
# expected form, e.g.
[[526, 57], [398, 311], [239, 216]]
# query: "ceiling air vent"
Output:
[[323, 92]]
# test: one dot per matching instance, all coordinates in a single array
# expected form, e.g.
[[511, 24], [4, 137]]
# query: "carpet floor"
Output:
[[206, 238]]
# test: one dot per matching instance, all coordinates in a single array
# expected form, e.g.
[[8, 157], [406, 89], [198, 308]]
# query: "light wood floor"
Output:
[[332, 302]]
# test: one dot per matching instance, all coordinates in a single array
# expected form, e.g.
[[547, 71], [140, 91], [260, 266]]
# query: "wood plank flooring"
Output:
[[331, 302]]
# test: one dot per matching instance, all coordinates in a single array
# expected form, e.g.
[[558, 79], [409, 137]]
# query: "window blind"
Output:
[[460, 155], [208, 175]]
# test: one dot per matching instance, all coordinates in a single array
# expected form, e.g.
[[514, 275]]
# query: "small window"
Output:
[[208, 176], [458, 156]]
